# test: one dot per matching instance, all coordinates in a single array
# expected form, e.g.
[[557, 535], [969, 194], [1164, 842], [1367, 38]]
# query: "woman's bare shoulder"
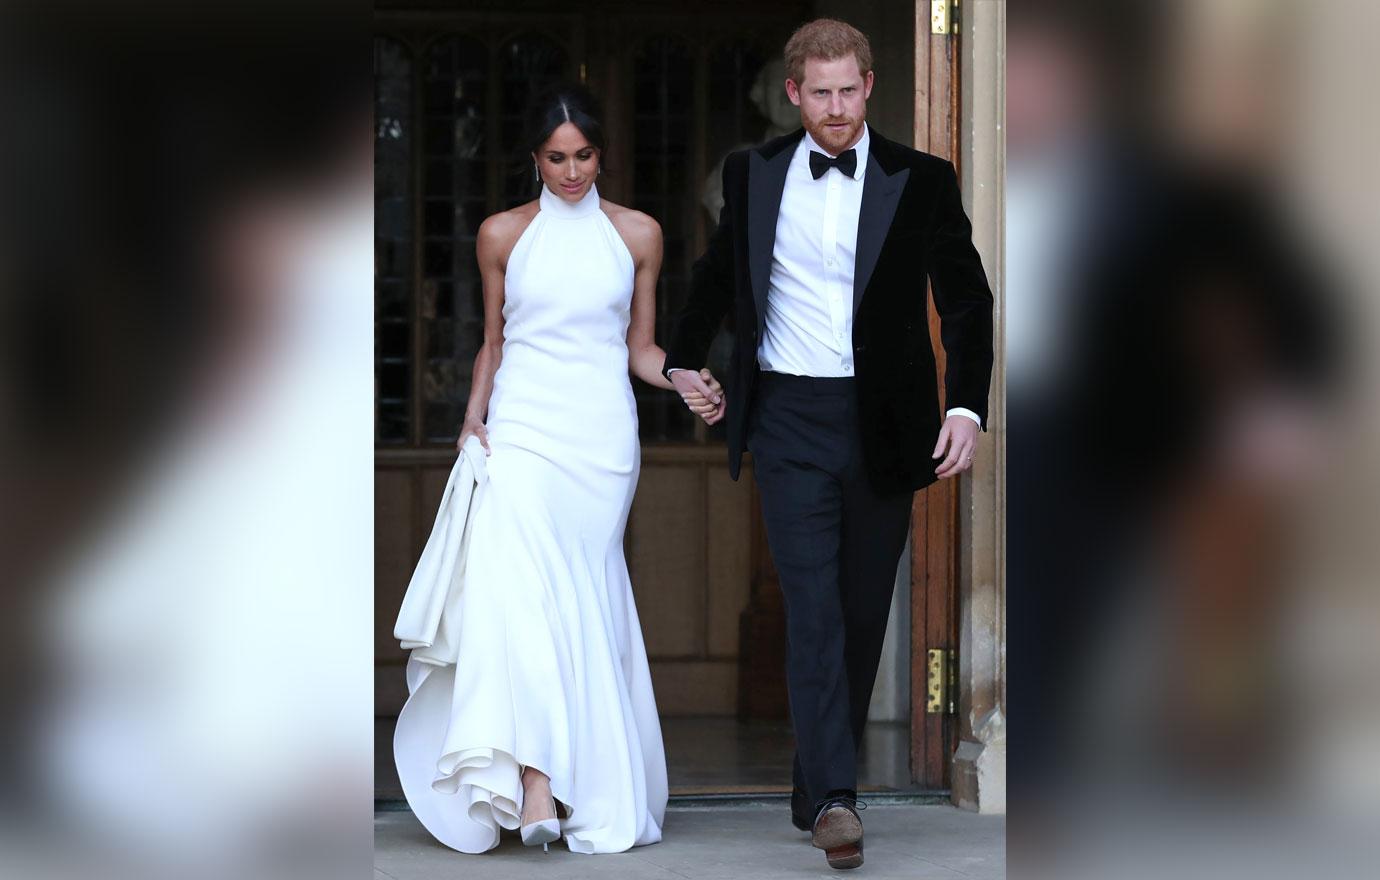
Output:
[[640, 231], [500, 232]]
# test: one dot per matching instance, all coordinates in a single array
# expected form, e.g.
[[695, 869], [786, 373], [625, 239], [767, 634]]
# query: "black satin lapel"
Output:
[[766, 183], [881, 194]]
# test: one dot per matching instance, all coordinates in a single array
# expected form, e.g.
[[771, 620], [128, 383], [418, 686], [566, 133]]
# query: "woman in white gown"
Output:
[[546, 720]]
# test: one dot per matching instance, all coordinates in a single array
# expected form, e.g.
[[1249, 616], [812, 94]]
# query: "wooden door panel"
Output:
[[666, 559], [934, 522]]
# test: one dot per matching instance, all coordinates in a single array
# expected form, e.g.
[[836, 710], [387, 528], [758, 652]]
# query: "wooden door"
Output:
[[934, 518]]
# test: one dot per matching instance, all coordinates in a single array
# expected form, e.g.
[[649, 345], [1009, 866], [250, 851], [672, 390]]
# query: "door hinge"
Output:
[[941, 682], [943, 16]]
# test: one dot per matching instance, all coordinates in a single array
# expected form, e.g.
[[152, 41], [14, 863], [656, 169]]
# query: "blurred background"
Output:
[[185, 389], [1191, 264]]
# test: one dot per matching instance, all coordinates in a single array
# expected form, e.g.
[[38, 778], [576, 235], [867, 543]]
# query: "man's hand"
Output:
[[702, 394], [958, 438]]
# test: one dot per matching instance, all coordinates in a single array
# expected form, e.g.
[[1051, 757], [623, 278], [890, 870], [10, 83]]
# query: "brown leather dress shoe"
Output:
[[839, 832]]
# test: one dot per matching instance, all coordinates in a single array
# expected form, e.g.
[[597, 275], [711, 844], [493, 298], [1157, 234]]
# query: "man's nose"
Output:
[[836, 105]]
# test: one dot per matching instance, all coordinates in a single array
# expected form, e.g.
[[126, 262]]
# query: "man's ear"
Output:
[[793, 91], [868, 79]]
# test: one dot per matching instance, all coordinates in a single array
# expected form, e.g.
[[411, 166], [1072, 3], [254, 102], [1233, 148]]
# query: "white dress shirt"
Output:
[[809, 320]]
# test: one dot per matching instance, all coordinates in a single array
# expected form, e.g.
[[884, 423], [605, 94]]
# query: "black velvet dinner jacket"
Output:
[[911, 226]]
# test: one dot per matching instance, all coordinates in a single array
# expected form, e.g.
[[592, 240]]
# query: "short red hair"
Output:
[[826, 39]]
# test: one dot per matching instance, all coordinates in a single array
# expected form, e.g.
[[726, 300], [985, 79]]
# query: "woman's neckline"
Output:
[[552, 204]]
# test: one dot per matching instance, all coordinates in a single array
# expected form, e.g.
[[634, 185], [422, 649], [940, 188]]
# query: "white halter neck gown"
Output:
[[550, 669]]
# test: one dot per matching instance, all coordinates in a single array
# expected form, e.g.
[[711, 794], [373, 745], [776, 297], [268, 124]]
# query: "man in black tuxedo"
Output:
[[822, 249]]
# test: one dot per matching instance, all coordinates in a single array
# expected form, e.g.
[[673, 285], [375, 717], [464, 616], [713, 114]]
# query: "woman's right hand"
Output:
[[475, 427]]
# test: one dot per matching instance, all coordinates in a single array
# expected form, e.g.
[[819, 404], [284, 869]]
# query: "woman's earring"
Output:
[[599, 170], [536, 172]]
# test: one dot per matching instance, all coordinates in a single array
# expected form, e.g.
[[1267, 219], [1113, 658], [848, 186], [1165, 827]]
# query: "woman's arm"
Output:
[[645, 357], [492, 246]]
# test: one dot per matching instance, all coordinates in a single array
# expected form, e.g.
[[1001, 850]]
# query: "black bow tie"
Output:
[[847, 162]]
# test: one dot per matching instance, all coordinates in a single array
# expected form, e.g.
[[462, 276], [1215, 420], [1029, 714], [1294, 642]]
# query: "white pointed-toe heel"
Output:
[[544, 832]]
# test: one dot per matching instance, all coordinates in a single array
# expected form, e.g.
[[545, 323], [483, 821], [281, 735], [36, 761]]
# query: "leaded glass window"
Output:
[[455, 201], [663, 82], [393, 259]]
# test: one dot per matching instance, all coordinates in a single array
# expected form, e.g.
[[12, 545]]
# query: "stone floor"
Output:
[[914, 842]]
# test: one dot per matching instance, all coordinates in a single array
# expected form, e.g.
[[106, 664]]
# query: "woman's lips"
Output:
[[571, 187]]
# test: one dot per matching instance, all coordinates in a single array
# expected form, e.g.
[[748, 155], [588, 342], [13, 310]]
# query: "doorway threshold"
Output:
[[745, 798], [717, 799]]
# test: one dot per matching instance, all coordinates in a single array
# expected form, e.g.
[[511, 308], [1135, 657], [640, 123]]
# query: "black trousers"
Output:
[[836, 543]]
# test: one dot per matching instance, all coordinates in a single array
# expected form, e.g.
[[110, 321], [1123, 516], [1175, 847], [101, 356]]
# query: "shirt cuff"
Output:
[[675, 370], [966, 413]]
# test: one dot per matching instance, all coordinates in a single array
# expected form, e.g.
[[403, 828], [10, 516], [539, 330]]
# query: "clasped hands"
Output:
[[702, 393], [953, 449]]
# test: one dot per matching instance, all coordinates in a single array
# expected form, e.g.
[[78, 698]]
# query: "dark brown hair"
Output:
[[559, 105]]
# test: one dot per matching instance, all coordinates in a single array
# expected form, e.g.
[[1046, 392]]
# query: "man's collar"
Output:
[[808, 143]]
